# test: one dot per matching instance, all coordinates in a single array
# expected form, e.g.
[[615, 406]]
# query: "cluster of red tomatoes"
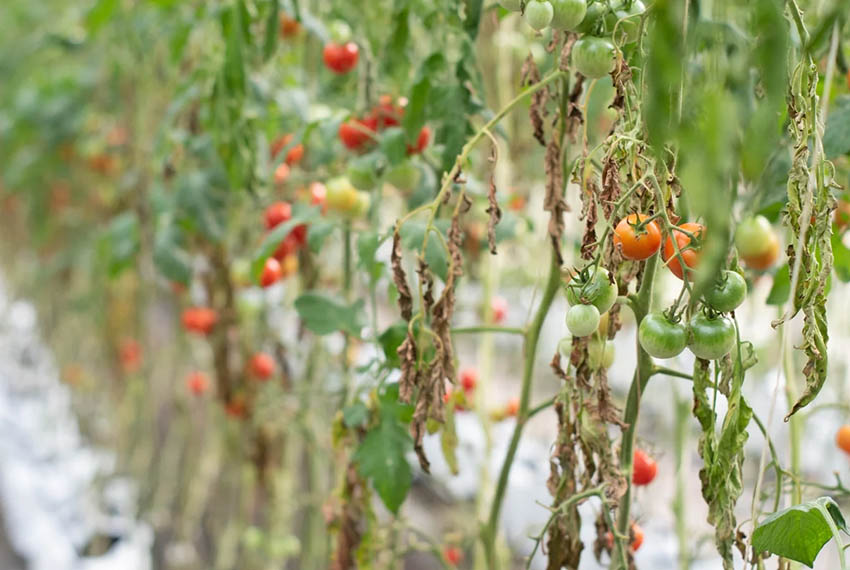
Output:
[[358, 134]]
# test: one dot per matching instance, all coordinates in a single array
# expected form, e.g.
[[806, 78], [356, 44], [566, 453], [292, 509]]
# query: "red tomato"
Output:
[[294, 155], [637, 537], [262, 366], [468, 379], [130, 353], [842, 438], [453, 554], [299, 234], [197, 382], [421, 141], [277, 213], [199, 320], [341, 58], [689, 254], [512, 407], [287, 247], [499, 306], [272, 272], [356, 134], [388, 114], [644, 468], [637, 244]]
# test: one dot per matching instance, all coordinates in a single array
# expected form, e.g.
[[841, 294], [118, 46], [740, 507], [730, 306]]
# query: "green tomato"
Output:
[[600, 353], [598, 291], [404, 176], [568, 13], [593, 57], [711, 338], [361, 206], [661, 337], [754, 237], [512, 5], [538, 14], [341, 195], [362, 172], [592, 18], [727, 293], [626, 20], [582, 320]]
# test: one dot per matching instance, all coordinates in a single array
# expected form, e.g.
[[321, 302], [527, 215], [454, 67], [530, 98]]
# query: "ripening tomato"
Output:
[[199, 319], [499, 307], [468, 379], [288, 265], [281, 174], [130, 354], [568, 14], [197, 382], [689, 252], [582, 320], [637, 537], [661, 337], [644, 468], [517, 202], [711, 337], [597, 289], [841, 217], [356, 134], [538, 14], [593, 57], [341, 58], [512, 407], [842, 438], [421, 141], [757, 243], [727, 293], [262, 366], [319, 195], [637, 243], [289, 27], [272, 272], [277, 213], [453, 555]]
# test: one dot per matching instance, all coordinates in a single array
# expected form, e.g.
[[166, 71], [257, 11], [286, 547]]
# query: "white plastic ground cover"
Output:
[[47, 470]]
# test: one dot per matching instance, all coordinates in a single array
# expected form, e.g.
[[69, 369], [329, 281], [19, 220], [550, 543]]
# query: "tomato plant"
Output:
[[355, 198]]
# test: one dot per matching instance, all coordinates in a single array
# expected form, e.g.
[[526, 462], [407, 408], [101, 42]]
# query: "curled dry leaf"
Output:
[[493, 209], [589, 200], [347, 523], [554, 200], [537, 109], [405, 299]]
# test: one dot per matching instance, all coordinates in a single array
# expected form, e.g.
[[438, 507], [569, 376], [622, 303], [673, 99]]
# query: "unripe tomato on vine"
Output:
[[635, 239], [711, 337], [341, 58], [727, 293], [689, 252], [592, 286], [538, 14], [262, 366], [582, 320], [593, 57], [661, 337], [568, 14]]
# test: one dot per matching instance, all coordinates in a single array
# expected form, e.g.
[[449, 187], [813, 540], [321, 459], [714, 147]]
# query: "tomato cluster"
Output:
[[358, 134], [591, 293]]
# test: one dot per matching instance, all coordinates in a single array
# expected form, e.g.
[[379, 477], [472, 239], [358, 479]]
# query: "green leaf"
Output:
[[391, 405], [841, 258], [414, 114], [272, 27], [799, 532], [412, 235], [323, 314], [234, 61], [390, 340], [836, 137], [381, 459], [174, 262], [319, 232], [781, 290], [393, 144], [120, 243], [355, 414], [100, 14], [367, 246]]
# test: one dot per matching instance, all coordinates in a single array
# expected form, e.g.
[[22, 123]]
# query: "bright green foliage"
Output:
[[324, 314]]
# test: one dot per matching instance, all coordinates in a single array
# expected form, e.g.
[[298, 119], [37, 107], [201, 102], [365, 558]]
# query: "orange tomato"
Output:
[[637, 244], [764, 260], [690, 253], [842, 438], [262, 366]]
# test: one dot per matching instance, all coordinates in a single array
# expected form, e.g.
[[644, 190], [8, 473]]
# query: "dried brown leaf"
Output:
[[493, 209], [405, 299]]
